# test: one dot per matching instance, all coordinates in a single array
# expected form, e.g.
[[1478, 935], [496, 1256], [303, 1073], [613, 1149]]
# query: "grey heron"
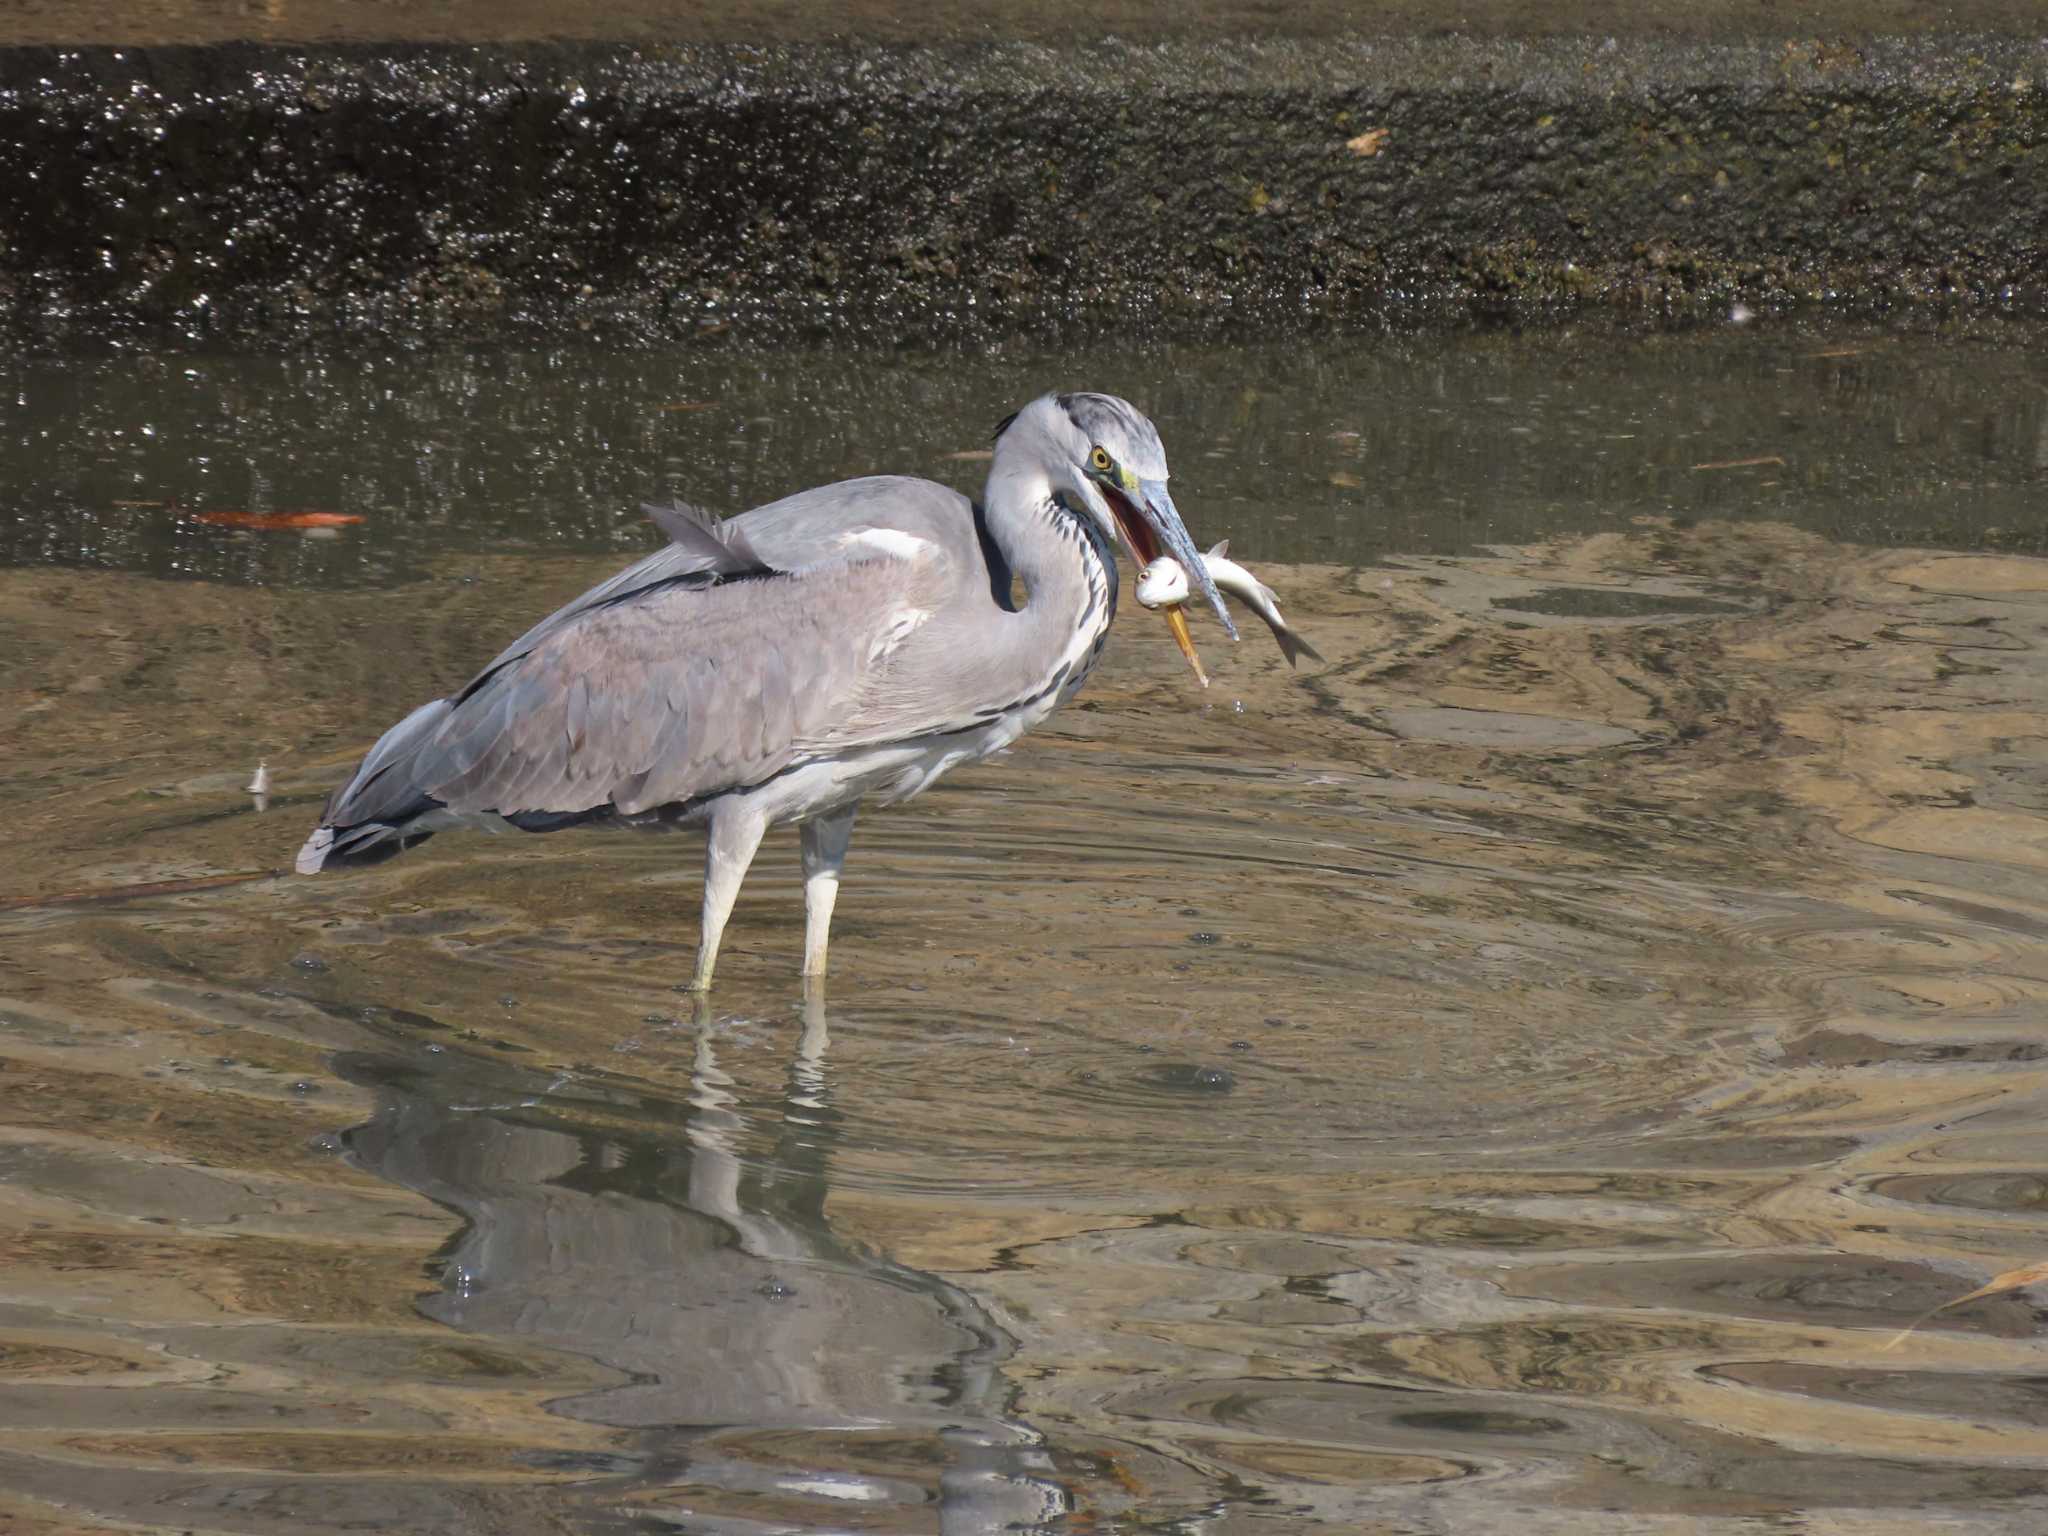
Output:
[[847, 644]]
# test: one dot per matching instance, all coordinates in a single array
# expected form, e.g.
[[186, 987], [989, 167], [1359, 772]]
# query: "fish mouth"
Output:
[[1151, 527]]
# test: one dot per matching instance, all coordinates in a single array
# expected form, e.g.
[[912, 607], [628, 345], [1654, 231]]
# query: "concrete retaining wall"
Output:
[[527, 190]]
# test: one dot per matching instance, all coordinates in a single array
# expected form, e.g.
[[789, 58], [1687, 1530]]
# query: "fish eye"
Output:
[[1099, 460]]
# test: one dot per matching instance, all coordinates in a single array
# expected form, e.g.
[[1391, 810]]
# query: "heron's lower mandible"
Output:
[[1164, 584]]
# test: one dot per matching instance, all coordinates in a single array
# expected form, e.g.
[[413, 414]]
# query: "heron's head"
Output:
[[1103, 460]]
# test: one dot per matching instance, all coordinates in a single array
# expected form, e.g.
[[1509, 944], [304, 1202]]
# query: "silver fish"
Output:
[[1241, 584], [1164, 584]]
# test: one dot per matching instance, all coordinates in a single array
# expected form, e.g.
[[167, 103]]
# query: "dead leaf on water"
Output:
[[2011, 1280], [140, 506], [1348, 482], [1760, 459], [1368, 143], [273, 520]]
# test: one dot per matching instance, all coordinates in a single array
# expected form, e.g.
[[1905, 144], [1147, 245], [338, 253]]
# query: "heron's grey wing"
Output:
[[960, 667], [819, 525], [792, 534], [673, 692]]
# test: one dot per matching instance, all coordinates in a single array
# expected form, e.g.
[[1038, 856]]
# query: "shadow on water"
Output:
[[777, 1372]]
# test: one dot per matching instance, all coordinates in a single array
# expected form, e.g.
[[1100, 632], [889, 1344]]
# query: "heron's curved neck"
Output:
[[1067, 568]]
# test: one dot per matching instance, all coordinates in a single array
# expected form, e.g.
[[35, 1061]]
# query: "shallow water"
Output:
[[1525, 1075], [1342, 449]]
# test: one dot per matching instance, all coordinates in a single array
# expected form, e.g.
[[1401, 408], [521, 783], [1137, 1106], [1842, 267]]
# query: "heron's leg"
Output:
[[734, 834], [807, 1072], [825, 841]]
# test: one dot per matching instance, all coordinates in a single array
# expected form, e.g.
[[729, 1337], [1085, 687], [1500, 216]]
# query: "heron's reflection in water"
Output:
[[776, 1376]]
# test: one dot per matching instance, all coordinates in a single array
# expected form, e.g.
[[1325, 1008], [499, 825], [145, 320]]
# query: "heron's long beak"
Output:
[[1152, 527], [1177, 621]]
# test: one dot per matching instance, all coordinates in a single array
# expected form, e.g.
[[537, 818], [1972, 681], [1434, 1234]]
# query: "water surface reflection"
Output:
[[772, 1374], [1340, 449]]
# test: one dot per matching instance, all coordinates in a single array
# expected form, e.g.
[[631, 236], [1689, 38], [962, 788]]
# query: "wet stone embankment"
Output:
[[519, 190]]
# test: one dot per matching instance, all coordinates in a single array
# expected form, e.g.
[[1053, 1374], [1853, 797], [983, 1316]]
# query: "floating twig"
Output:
[[1758, 461], [273, 520]]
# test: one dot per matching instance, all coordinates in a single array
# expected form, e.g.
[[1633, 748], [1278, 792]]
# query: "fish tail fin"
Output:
[[1294, 647]]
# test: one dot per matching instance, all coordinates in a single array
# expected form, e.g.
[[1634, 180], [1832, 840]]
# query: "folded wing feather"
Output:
[[672, 688]]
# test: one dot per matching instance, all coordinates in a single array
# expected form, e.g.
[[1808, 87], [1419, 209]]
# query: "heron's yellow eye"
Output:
[[1099, 459]]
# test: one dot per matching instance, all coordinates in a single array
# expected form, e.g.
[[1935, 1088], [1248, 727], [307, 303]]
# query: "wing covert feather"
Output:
[[676, 693]]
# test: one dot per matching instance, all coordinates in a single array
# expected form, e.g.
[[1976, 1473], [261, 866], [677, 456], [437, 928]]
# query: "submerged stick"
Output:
[[136, 892], [2011, 1280]]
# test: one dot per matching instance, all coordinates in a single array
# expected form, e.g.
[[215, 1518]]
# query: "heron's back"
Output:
[[673, 681]]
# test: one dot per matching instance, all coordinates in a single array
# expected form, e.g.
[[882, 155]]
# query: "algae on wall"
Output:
[[876, 191]]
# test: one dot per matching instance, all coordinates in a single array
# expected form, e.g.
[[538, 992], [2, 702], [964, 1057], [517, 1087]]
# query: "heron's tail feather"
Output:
[[346, 847], [381, 810], [313, 856]]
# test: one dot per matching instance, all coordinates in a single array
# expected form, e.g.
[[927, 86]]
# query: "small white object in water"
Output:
[[1740, 314], [259, 783], [1162, 583]]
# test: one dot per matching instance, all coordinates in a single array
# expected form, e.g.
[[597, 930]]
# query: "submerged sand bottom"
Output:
[[1525, 1075]]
